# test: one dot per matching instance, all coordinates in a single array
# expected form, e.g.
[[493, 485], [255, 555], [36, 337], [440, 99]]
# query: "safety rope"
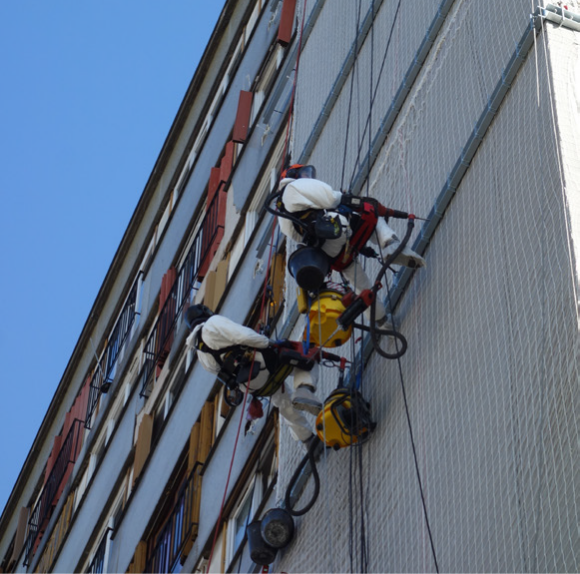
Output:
[[386, 262], [290, 112], [348, 113], [374, 95], [218, 523], [415, 460], [293, 94], [356, 469], [251, 494]]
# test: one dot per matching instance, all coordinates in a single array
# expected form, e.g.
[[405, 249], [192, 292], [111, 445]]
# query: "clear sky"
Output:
[[88, 92]]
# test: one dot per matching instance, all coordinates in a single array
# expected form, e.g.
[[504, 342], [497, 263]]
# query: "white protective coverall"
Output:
[[219, 332], [305, 193]]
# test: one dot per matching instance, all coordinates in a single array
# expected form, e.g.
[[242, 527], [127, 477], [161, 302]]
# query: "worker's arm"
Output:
[[220, 332]]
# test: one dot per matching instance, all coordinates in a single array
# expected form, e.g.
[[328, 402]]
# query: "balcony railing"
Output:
[[97, 565], [105, 368], [52, 487], [178, 529], [159, 342]]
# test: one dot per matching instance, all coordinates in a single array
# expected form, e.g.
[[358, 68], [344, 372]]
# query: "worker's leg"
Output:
[[387, 239], [359, 281], [304, 397], [300, 428], [309, 378]]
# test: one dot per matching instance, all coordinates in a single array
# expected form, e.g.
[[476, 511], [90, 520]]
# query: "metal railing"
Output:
[[97, 565], [105, 368], [159, 342], [171, 540], [49, 496]]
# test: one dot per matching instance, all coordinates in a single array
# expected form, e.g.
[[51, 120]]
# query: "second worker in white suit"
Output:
[[217, 338]]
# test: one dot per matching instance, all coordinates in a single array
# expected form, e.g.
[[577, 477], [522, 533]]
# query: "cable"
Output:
[[308, 458], [374, 331], [417, 471], [367, 123], [348, 114], [258, 464], [229, 471]]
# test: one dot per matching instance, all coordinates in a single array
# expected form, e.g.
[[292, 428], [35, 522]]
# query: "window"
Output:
[[98, 563], [260, 478]]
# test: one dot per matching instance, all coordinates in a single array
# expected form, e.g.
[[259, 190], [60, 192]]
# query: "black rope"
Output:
[[374, 331], [368, 121], [417, 471], [364, 556], [350, 94]]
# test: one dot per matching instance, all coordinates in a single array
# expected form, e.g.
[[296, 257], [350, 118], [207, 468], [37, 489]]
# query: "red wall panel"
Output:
[[286, 22], [227, 162], [243, 115], [214, 183]]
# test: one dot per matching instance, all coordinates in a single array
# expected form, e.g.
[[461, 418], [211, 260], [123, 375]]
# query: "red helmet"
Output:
[[299, 170]]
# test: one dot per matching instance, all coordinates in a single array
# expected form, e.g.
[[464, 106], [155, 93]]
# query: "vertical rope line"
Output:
[[290, 113], [217, 528], [327, 497], [543, 379], [566, 210], [354, 67], [293, 95], [370, 115], [258, 464], [376, 88], [415, 459]]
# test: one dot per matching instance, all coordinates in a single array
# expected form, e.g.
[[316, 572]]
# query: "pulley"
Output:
[[345, 419]]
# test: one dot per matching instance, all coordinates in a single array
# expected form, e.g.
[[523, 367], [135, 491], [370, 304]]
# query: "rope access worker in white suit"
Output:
[[221, 345], [357, 220]]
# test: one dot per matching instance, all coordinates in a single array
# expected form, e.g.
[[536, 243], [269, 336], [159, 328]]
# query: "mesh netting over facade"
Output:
[[492, 369]]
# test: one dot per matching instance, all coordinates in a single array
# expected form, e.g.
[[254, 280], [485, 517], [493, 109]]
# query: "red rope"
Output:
[[217, 527], [262, 303]]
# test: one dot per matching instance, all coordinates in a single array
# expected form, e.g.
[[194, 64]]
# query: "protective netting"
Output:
[[492, 369]]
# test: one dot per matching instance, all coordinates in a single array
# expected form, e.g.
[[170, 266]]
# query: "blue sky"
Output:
[[89, 90]]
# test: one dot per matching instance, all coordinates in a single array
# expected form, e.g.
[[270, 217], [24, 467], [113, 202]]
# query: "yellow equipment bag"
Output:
[[323, 314], [344, 420]]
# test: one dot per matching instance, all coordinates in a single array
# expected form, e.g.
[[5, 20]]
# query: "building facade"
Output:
[[462, 112]]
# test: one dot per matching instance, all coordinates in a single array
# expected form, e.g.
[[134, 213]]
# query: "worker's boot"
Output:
[[407, 257], [304, 399]]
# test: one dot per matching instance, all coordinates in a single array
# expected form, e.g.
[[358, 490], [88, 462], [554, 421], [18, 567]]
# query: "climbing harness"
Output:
[[362, 222], [239, 367]]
